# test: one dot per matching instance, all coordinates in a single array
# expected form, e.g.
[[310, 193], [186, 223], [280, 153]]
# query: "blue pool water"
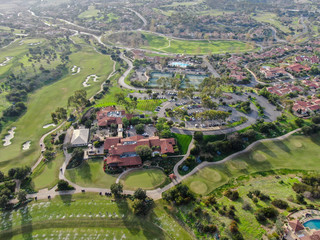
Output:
[[313, 224], [179, 64]]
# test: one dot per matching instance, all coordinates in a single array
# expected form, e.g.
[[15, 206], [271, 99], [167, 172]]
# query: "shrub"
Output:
[[280, 204], [232, 195]]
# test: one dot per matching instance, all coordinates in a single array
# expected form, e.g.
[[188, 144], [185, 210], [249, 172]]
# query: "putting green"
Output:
[[198, 187], [259, 156], [211, 175], [144, 178], [266, 156]]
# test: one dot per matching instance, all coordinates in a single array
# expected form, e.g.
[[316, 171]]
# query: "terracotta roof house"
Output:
[[122, 152], [296, 225], [298, 68], [110, 115]]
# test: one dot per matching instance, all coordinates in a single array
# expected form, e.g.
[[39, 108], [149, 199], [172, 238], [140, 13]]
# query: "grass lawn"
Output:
[[271, 18], [91, 174], [161, 44], [183, 142], [91, 12], [44, 101], [90, 216], [295, 152], [145, 179], [149, 105], [47, 174]]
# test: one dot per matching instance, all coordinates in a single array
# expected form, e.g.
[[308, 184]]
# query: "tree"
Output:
[[144, 151], [299, 122], [4, 200], [78, 99], [22, 196], [140, 194], [116, 189], [64, 185], [142, 207], [140, 128], [1, 176], [198, 136]]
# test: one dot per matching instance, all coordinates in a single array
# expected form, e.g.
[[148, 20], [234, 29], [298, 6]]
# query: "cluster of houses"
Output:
[[120, 152], [313, 59], [296, 231], [284, 89], [272, 72], [306, 108], [236, 72]]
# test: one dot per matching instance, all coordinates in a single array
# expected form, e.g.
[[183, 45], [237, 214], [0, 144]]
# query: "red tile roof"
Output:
[[111, 141], [296, 225]]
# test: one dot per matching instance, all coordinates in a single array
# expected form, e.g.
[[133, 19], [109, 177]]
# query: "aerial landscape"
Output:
[[167, 119]]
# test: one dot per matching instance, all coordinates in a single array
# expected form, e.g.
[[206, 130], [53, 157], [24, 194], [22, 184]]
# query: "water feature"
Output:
[[49, 125], [26, 145], [313, 224], [179, 64], [7, 138]]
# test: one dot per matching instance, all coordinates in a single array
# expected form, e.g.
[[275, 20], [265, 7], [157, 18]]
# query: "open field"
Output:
[[45, 100], [90, 174], [296, 152], [272, 19], [85, 215], [145, 179], [161, 44], [91, 12], [183, 142]]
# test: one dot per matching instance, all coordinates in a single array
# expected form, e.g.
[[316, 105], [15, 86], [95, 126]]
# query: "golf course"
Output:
[[85, 215], [42, 102], [297, 152], [161, 44]]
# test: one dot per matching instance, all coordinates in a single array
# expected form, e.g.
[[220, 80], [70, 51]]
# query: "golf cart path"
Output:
[[156, 193]]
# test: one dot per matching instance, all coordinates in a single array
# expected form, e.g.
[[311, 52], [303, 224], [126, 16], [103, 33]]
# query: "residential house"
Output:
[[80, 137]]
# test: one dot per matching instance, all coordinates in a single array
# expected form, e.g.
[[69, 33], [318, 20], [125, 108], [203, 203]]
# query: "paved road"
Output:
[[210, 67], [141, 17], [176, 167]]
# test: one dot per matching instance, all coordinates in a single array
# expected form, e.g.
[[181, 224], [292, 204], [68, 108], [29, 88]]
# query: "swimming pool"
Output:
[[179, 64], [313, 224]]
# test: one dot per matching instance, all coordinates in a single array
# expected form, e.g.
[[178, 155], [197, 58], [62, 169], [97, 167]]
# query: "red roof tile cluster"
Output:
[[315, 236], [283, 89], [313, 59], [296, 225], [110, 115], [123, 151], [312, 84], [272, 72], [303, 107], [298, 68]]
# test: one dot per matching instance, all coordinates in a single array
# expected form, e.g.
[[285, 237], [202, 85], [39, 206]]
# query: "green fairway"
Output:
[[144, 178], [91, 174], [90, 216], [45, 100], [91, 12], [296, 152], [47, 175], [272, 19], [196, 47], [183, 142]]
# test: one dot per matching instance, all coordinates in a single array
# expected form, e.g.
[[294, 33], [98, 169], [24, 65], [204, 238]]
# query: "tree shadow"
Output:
[[136, 224], [26, 223], [282, 146], [6, 223], [66, 199], [85, 171]]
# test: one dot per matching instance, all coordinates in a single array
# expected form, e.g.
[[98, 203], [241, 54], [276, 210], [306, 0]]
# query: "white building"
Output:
[[80, 137]]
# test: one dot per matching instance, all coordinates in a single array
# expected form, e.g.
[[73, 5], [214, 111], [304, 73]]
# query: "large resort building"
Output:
[[122, 152]]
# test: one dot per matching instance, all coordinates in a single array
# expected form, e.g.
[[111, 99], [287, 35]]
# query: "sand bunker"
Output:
[[95, 79], [75, 70], [26, 145], [259, 156], [49, 125], [4, 63], [211, 175], [198, 187], [7, 138]]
